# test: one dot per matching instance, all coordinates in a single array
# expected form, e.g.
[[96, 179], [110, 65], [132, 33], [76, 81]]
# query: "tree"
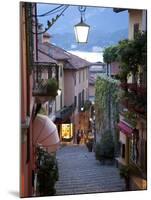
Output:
[[109, 56]]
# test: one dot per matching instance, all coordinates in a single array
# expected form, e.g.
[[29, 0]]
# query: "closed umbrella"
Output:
[[45, 133]]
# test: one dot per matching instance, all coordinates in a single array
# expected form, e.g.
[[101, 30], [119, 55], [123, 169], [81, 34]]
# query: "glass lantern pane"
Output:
[[81, 33]]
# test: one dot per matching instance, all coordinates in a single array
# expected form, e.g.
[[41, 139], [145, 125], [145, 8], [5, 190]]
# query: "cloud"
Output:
[[95, 12], [73, 46], [97, 49]]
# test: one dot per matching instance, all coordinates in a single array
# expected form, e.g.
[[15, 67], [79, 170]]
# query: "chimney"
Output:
[[46, 38]]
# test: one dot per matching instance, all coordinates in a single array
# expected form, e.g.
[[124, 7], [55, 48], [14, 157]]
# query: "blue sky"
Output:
[[97, 17]]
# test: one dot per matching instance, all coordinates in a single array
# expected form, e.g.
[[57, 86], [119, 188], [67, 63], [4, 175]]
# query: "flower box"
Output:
[[139, 109], [141, 90], [124, 86], [132, 87]]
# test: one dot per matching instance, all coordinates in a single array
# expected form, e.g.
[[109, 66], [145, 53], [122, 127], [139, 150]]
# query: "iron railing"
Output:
[[42, 74]]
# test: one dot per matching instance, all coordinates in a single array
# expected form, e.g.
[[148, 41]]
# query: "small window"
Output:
[[75, 101], [79, 102], [79, 76], [61, 101], [123, 150], [60, 71], [75, 79], [136, 29]]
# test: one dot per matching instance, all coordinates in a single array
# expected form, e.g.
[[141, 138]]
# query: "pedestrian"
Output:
[[78, 137]]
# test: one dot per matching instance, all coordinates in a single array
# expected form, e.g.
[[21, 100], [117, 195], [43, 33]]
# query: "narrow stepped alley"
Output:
[[80, 172]]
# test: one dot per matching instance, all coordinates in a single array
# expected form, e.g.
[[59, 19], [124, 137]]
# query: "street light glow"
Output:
[[81, 32]]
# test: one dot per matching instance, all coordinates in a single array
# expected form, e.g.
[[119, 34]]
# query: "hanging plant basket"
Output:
[[46, 90]]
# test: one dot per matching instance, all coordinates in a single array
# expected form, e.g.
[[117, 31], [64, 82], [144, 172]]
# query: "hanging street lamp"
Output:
[[81, 29]]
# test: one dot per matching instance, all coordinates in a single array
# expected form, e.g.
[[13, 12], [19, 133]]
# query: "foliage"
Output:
[[106, 91], [131, 117], [131, 54], [105, 148], [47, 173], [110, 54], [124, 171], [52, 87]]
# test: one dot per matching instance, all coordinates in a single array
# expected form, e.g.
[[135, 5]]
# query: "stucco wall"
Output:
[[69, 87], [135, 16]]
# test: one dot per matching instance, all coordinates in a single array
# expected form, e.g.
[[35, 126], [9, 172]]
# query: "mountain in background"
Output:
[[96, 42], [106, 27]]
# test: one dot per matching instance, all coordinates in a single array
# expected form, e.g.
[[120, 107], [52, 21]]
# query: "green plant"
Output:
[[47, 173], [124, 172], [105, 149], [106, 97], [131, 117], [52, 87]]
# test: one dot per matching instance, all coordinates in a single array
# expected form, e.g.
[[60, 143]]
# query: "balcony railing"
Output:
[[135, 103], [45, 80]]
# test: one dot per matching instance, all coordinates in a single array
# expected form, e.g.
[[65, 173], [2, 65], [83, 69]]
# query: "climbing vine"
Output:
[[106, 102]]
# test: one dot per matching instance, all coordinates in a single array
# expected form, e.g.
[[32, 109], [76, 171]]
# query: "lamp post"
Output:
[[81, 29]]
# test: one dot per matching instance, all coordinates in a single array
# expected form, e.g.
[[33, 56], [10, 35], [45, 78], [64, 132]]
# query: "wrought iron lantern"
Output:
[[81, 29]]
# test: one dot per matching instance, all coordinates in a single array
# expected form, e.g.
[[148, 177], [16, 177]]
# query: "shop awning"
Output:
[[45, 133], [125, 128]]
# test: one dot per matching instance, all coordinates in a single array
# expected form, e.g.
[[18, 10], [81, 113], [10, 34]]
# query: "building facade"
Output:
[[36, 70], [133, 120]]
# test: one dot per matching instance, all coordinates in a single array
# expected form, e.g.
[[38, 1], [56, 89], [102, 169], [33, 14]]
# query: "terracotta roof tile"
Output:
[[43, 57], [57, 53]]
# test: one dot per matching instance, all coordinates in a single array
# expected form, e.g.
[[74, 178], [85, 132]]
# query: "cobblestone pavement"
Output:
[[80, 172]]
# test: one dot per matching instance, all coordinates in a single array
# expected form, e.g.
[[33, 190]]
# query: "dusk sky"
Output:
[[97, 17]]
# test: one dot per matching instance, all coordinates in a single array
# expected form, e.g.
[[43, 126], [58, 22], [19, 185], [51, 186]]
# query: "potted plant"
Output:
[[125, 173], [105, 149], [47, 172], [52, 87], [47, 90]]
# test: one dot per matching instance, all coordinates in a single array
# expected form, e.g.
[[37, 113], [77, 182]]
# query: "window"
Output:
[[61, 100], [75, 79], [83, 97], [134, 154], [136, 29], [79, 102], [86, 74], [79, 76], [123, 150], [75, 101], [60, 71]]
